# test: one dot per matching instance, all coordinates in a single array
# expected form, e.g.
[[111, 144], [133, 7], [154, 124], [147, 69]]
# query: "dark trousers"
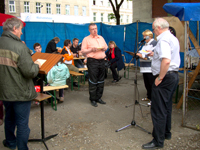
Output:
[[96, 72], [17, 115], [61, 92], [1, 109], [161, 107], [114, 72], [79, 63], [148, 82]]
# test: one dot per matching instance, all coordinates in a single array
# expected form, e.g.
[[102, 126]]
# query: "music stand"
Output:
[[51, 60], [133, 123]]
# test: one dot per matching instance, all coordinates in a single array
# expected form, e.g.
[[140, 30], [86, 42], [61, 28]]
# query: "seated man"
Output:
[[69, 58], [75, 48], [37, 47]]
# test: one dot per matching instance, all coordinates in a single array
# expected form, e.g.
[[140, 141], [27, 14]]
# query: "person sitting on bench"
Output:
[[69, 58], [57, 76]]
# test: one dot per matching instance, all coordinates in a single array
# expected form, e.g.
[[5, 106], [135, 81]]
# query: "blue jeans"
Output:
[[17, 114]]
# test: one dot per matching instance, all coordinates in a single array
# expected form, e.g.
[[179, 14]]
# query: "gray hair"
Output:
[[12, 22], [56, 39], [162, 23]]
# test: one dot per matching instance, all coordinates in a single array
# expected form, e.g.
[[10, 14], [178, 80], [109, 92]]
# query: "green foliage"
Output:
[[111, 16]]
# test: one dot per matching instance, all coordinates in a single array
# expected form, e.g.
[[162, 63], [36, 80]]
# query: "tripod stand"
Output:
[[133, 123]]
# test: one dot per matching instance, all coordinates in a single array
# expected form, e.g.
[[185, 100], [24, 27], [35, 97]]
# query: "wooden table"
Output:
[[51, 60], [81, 57]]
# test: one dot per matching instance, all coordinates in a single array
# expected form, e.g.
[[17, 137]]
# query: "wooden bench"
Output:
[[54, 88], [73, 74], [41, 97], [84, 72], [127, 66]]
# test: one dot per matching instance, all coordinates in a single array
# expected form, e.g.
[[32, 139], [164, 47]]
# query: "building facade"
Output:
[[100, 10], [76, 11], [67, 11]]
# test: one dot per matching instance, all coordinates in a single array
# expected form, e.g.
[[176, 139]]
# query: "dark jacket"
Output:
[[51, 47], [75, 50], [118, 58], [17, 69]]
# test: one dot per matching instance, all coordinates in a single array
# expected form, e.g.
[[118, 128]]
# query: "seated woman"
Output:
[[69, 58], [114, 56], [57, 76]]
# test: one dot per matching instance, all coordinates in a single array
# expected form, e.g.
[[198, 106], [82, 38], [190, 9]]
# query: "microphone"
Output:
[[147, 37]]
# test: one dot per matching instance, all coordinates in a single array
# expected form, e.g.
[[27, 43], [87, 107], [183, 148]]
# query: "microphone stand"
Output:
[[133, 123]]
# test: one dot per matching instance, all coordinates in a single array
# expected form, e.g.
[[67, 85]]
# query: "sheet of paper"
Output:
[[42, 61], [99, 48], [144, 52]]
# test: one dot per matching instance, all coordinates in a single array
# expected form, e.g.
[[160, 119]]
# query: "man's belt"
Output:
[[170, 72]]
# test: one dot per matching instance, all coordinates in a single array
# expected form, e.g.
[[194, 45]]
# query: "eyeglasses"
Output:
[[154, 29]]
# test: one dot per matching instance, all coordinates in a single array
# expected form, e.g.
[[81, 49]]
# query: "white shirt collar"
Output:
[[162, 34]]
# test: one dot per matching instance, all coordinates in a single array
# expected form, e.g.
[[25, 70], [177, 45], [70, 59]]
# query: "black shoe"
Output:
[[101, 101], [151, 145], [94, 103], [5, 145], [119, 79], [75, 84], [114, 81], [168, 137]]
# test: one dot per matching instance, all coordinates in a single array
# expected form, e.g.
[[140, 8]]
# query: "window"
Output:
[[94, 2], [101, 17], [109, 4], [127, 20], [101, 2], [48, 7], [57, 8], [26, 7], [125, 5], [38, 7], [11, 6], [121, 18], [108, 18], [67, 9], [94, 16], [84, 10], [76, 10]]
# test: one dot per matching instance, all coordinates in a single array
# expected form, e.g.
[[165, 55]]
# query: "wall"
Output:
[[142, 10]]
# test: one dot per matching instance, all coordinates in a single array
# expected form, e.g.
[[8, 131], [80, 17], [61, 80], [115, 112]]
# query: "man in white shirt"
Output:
[[165, 66]]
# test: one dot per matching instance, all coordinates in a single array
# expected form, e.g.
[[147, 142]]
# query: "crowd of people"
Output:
[[19, 74]]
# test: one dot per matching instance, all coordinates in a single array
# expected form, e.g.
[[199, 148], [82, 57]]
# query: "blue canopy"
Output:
[[184, 11]]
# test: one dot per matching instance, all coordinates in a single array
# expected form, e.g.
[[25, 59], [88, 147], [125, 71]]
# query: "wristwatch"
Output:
[[159, 79]]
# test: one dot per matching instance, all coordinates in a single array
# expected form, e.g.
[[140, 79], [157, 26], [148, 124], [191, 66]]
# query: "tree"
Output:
[[116, 11]]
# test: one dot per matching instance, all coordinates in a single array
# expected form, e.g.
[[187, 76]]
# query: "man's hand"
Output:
[[39, 64], [151, 52], [157, 82], [94, 49], [139, 54], [104, 49]]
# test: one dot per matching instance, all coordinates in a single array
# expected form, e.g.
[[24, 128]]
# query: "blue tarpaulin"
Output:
[[43, 32], [124, 35], [184, 11]]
